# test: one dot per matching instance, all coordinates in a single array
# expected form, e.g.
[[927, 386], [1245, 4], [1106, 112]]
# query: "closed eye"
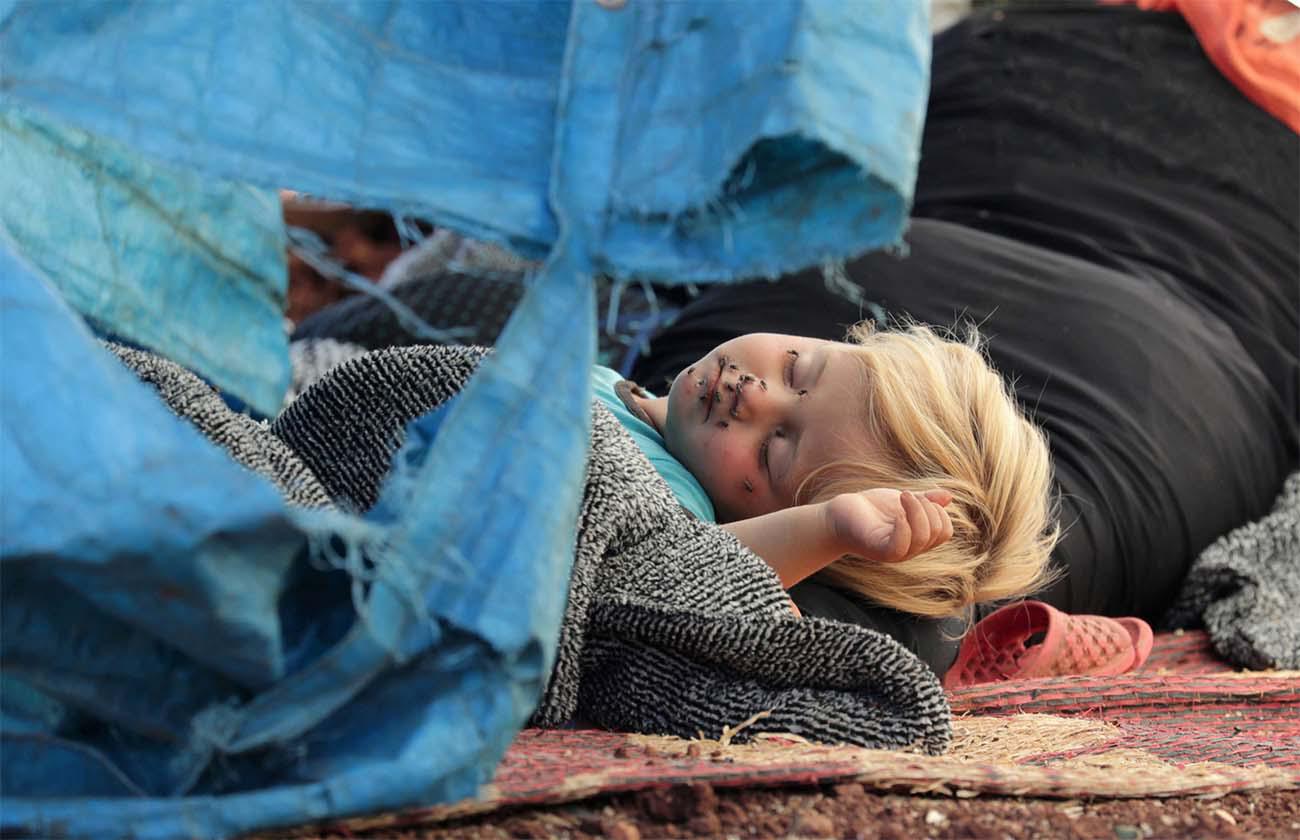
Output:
[[764, 450]]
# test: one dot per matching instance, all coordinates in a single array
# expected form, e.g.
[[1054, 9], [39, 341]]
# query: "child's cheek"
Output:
[[734, 459]]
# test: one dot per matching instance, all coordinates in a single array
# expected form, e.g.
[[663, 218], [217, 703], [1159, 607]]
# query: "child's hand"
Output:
[[880, 525], [887, 525]]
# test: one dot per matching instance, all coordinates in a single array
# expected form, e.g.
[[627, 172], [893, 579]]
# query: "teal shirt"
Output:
[[684, 486]]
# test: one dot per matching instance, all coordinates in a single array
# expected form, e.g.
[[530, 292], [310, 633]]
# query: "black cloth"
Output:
[[1164, 433], [1122, 224], [1106, 134], [934, 642]]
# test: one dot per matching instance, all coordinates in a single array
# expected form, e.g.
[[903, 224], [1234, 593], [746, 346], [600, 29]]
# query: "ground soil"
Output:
[[850, 811]]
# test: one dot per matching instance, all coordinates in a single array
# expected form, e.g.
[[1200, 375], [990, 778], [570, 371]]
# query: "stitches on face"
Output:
[[723, 361], [745, 413], [745, 379]]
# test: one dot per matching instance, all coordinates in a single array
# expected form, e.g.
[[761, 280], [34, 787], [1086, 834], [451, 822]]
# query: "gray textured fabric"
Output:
[[1245, 589], [671, 625], [247, 441], [474, 309], [445, 250], [347, 427], [312, 358]]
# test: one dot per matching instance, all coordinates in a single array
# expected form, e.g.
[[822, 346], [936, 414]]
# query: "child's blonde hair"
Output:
[[942, 417]]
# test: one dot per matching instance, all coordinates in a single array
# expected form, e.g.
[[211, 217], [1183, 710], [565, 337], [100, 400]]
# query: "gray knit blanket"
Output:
[[250, 443], [1245, 589], [671, 625]]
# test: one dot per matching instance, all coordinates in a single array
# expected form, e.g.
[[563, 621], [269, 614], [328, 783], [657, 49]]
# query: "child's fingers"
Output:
[[940, 524], [939, 497], [919, 521], [900, 542], [947, 528]]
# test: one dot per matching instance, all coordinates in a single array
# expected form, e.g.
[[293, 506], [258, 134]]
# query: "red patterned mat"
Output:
[[1243, 720], [1184, 652], [1184, 725], [1185, 705]]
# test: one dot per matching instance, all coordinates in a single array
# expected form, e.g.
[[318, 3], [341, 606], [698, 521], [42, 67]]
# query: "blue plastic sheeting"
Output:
[[718, 144], [152, 253], [174, 666]]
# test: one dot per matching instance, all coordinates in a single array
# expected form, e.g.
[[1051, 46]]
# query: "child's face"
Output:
[[757, 415]]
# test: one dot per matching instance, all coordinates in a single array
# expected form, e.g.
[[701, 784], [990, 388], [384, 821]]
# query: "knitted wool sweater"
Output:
[[671, 625]]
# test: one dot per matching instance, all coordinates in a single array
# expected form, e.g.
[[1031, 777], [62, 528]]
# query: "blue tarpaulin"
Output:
[[106, 223], [177, 660]]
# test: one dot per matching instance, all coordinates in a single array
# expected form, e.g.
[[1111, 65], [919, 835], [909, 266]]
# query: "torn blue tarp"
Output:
[[151, 253], [177, 664], [717, 144], [172, 664]]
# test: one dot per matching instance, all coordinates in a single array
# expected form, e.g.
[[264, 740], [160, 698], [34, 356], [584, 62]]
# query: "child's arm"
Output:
[[883, 525]]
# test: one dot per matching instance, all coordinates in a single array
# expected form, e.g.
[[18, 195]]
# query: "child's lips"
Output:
[[710, 395]]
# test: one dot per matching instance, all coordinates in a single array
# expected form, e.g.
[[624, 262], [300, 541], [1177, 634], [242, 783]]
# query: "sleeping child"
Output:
[[669, 624], [896, 464]]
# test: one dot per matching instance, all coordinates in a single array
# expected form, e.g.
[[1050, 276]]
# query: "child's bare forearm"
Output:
[[796, 541]]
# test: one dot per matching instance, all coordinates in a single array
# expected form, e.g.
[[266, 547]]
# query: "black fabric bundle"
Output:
[[1164, 433]]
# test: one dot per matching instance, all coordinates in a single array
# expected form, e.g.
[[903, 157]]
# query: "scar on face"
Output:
[[749, 486]]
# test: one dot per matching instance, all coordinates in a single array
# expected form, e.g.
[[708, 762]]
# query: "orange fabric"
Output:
[[1254, 43]]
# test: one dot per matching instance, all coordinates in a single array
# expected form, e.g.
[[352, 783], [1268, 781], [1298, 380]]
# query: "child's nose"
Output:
[[752, 399]]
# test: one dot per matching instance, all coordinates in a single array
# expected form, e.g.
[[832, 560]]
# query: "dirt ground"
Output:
[[849, 811]]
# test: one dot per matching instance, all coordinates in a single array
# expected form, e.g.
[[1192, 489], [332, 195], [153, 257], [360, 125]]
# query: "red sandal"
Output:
[[1032, 639]]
